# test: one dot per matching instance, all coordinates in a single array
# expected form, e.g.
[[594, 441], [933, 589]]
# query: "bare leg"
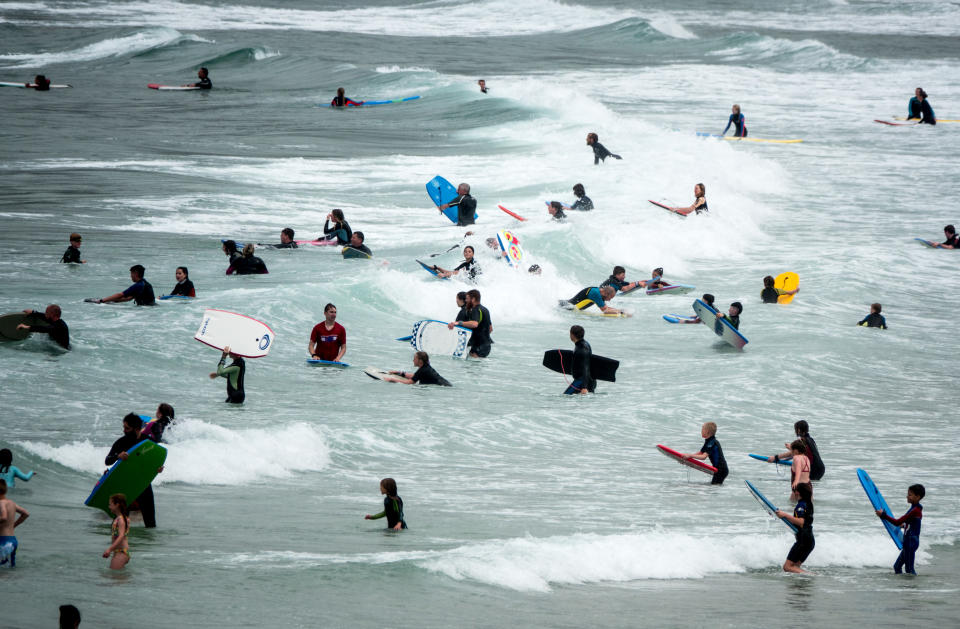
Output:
[[790, 566]]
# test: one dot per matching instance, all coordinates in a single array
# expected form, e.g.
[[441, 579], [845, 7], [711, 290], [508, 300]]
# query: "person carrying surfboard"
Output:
[[204, 83], [699, 202], [234, 375], [340, 100], [466, 205], [600, 152], [711, 449], [72, 254], [919, 108], [910, 521], [425, 374], [802, 518], [771, 295], [583, 382], [738, 121]]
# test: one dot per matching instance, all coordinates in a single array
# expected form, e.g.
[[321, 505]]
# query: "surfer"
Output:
[[952, 240], [770, 295], [583, 202], [598, 295], [699, 202], [483, 86], [234, 375], [534, 269], [8, 541], [600, 152], [555, 208], [802, 518], [10, 472], [141, 291], [119, 547], [392, 506], [72, 254], [339, 230], [204, 83], [230, 250], [711, 449], [733, 314], [469, 266], [874, 319], [583, 382], [425, 374], [910, 521], [919, 108], [739, 123], [153, 429], [119, 451], [247, 263], [656, 280], [466, 205], [328, 340], [356, 242], [54, 325], [286, 239], [183, 286], [41, 83], [342, 101], [480, 321], [802, 430], [618, 280]]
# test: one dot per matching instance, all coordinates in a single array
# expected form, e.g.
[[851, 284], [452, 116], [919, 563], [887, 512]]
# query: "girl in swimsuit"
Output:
[[800, 469], [119, 549]]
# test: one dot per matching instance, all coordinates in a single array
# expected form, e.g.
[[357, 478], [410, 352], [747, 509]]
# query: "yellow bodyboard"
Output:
[[786, 281]]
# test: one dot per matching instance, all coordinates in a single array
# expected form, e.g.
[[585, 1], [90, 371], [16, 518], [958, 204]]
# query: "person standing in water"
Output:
[[234, 375], [328, 339], [72, 254], [119, 548], [583, 382], [739, 123], [802, 518], [392, 506], [600, 152], [204, 83], [184, 286], [120, 451], [340, 100], [466, 205], [919, 108], [8, 541]]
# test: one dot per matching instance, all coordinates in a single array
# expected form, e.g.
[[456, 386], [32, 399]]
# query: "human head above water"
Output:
[[133, 422], [578, 190], [877, 308], [576, 332], [768, 281], [738, 306], [709, 429], [388, 486], [286, 234], [592, 137], [137, 271], [422, 359]]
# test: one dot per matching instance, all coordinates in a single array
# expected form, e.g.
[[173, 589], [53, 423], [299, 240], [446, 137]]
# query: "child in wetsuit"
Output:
[[910, 521], [120, 549], [392, 506], [802, 518], [153, 430], [874, 319], [733, 314], [10, 472], [771, 295], [711, 449], [600, 152]]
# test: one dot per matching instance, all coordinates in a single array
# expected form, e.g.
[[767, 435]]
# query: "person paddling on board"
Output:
[[119, 451], [600, 152], [739, 123], [234, 375], [328, 339], [41, 83], [469, 266], [618, 280], [656, 280], [286, 239], [599, 296], [339, 230], [141, 292], [183, 286], [919, 108], [52, 325], [952, 240], [583, 382], [707, 298], [483, 86], [342, 101], [204, 83], [466, 206], [699, 202], [771, 295], [72, 254], [356, 242], [425, 374]]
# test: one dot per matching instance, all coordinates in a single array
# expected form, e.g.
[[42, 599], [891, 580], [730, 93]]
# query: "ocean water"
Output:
[[525, 507]]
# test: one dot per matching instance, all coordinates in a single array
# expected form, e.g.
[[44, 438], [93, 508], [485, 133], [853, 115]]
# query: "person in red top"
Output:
[[328, 341]]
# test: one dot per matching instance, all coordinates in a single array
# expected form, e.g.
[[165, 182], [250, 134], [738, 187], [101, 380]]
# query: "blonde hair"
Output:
[[711, 428], [248, 250]]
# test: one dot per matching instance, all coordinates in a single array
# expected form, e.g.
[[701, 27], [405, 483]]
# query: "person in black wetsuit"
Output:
[[466, 205], [118, 452], [618, 280], [339, 230], [555, 209], [72, 254], [952, 240], [600, 152], [874, 319], [229, 248], [583, 202], [462, 315], [711, 449], [140, 292], [583, 382], [234, 375], [919, 108], [41, 83], [425, 374], [802, 430], [248, 264], [342, 101], [392, 506], [483, 86], [183, 286], [53, 325], [738, 121], [204, 83], [469, 266], [802, 518], [356, 242], [732, 315], [771, 295], [480, 322], [286, 239]]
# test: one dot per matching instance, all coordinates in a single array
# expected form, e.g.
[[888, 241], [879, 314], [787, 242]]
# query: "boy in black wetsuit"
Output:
[[711, 449], [583, 382], [733, 314], [425, 374], [771, 295], [600, 152], [72, 254], [392, 506], [874, 319], [911, 532]]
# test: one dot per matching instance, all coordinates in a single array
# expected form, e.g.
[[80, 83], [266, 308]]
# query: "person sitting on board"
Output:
[[234, 375], [392, 506], [328, 339], [483, 86], [286, 239], [10, 472], [8, 541], [466, 205], [919, 108], [874, 319], [204, 83], [739, 123], [802, 430], [342, 101], [771, 295], [119, 451], [480, 321], [184, 286], [356, 242], [469, 266], [618, 280], [733, 314], [555, 209], [802, 518], [599, 296], [711, 449], [141, 292], [910, 521], [600, 152], [41, 83], [72, 254], [425, 374], [53, 325], [339, 230], [699, 202], [153, 429], [247, 263], [583, 202], [707, 298], [952, 240], [583, 382]]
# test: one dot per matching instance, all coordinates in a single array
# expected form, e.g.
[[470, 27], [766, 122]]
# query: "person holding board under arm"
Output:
[[466, 205], [425, 374], [802, 518], [234, 375], [328, 340], [583, 382]]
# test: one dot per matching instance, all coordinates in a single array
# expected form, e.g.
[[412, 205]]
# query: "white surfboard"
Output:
[[435, 339], [244, 335], [720, 326], [510, 245], [380, 374]]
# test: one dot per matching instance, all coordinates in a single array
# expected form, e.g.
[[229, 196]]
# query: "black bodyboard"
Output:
[[601, 368]]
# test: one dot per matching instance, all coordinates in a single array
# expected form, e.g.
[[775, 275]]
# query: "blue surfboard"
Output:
[[720, 326], [442, 191], [876, 499], [326, 363], [176, 297], [925, 243], [675, 318], [373, 103], [432, 271], [767, 505], [760, 457]]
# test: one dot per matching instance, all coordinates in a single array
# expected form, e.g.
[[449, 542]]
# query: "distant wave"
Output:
[[808, 54], [139, 42], [242, 55]]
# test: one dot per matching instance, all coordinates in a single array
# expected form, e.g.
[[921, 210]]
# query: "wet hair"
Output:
[[617, 270], [133, 420], [474, 294], [424, 358], [121, 501], [288, 231], [3, 487], [737, 107], [534, 268], [359, 235], [711, 428], [186, 273], [470, 248], [337, 214], [657, 271], [917, 490], [922, 93], [75, 237], [703, 189], [593, 136], [55, 309], [556, 205], [876, 308], [577, 331], [608, 290], [390, 486], [230, 246], [805, 491], [6, 459], [165, 411], [69, 617], [708, 299], [738, 306], [768, 281], [801, 427], [462, 295], [578, 190], [799, 446], [205, 71], [950, 229], [340, 91], [328, 307], [248, 249], [138, 269]]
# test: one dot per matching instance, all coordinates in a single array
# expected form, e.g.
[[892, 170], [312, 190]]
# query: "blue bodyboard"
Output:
[[675, 318], [372, 103], [876, 499], [767, 505], [442, 191], [760, 457], [326, 363], [176, 297], [432, 271], [720, 326]]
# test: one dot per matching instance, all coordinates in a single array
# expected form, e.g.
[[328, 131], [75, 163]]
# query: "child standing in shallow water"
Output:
[[392, 506], [8, 541], [121, 526]]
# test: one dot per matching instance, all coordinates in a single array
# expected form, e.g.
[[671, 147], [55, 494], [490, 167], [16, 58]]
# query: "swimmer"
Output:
[[72, 254], [234, 375], [140, 292], [732, 315], [286, 239], [425, 374], [8, 541], [583, 202], [392, 506], [466, 205], [183, 286], [469, 266], [699, 202], [874, 319], [707, 298], [328, 339], [41, 83], [342, 101], [599, 296], [247, 263], [356, 242], [204, 83], [53, 325], [952, 240], [555, 209], [153, 429], [483, 86], [229, 248], [10, 472], [600, 152], [656, 280], [739, 123], [119, 548], [919, 108], [771, 295], [339, 230]]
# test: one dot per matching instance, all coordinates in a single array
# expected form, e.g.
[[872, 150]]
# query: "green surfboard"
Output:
[[128, 477]]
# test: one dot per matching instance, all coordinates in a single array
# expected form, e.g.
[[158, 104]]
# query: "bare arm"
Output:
[[23, 516], [343, 350], [792, 519], [403, 377]]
